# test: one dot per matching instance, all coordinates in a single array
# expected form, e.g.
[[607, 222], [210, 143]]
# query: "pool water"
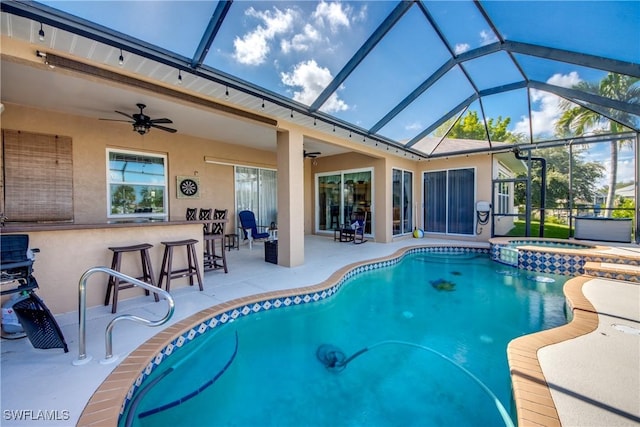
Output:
[[464, 306]]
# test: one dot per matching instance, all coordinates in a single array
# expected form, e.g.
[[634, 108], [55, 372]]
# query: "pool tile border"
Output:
[[109, 401]]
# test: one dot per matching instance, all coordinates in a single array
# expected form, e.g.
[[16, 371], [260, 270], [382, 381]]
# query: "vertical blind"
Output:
[[449, 201], [256, 191]]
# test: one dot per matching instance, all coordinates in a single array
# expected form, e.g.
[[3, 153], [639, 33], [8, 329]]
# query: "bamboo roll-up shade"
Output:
[[38, 177]]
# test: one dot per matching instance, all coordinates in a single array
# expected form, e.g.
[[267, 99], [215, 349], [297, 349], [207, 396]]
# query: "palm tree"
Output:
[[577, 120]]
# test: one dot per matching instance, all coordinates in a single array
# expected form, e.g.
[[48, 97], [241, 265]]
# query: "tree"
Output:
[[577, 120], [122, 198], [471, 127]]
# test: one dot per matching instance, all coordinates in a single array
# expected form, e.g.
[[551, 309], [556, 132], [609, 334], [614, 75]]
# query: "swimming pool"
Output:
[[460, 304]]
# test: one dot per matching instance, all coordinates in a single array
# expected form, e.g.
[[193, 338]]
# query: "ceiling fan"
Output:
[[143, 123], [311, 154]]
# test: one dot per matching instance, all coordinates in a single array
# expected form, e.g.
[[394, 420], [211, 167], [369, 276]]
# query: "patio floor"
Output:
[[45, 380]]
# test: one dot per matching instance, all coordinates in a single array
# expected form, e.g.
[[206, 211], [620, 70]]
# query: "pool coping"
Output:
[[531, 393]]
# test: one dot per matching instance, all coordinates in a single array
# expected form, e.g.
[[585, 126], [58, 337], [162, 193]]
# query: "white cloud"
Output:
[[461, 47], [303, 41], [312, 79], [332, 15], [253, 47], [487, 37], [414, 127], [544, 118]]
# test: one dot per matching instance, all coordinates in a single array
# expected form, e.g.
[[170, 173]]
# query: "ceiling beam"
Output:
[[364, 50], [443, 119], [504, 88], [573, 94], [583, 59], [430, 81], [210, 33]]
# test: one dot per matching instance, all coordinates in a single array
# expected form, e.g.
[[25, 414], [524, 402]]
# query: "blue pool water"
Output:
[[464, 306]]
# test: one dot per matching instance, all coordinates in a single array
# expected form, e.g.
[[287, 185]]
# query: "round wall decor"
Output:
[[188, 187]]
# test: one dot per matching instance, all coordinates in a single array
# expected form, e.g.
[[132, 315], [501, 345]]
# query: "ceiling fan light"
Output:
[[141, 128]]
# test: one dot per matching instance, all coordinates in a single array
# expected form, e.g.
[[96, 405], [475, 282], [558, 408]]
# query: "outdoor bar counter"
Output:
[[68, 250]]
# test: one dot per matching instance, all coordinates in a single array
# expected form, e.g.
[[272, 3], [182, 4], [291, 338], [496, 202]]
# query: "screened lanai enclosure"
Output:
[[555, 84]]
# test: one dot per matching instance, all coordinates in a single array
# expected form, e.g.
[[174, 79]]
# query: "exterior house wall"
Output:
[[213, 162], [349, 161], [483, 166], [185, 156]]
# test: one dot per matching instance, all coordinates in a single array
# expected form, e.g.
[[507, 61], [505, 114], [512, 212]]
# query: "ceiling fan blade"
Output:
[[160, 121], [164, 128], [117, 120], [125, 114]]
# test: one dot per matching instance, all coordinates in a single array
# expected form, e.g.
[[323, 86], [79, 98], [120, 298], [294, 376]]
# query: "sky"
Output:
[[295, 49]]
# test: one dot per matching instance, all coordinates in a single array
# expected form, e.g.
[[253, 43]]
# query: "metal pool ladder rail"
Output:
[[82, 286]]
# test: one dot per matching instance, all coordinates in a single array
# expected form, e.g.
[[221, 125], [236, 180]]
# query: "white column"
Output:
[[290, 199]]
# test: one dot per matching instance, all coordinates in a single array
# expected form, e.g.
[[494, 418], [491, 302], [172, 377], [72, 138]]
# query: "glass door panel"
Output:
[[357, 196], [329, 202], [407, 220]]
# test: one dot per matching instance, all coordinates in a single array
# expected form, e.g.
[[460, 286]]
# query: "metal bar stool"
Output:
[[167, 272], [115, 284]]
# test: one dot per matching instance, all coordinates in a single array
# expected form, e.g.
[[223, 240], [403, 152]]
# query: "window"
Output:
[[256, 191], [38, 177], [137, 184], [449, 201], [402, 202], [503, 195]]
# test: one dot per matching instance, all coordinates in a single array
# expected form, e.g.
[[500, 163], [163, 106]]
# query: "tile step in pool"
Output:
[[605, 270]]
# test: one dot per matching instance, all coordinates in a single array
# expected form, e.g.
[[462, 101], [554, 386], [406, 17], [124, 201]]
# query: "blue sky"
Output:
[[296, 48]]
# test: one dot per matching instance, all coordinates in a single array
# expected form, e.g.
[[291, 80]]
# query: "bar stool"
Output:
[[116, 284], [231, 241], [167, 272]]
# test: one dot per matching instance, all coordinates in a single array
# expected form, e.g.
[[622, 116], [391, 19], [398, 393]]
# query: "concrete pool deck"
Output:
[[44, 380]]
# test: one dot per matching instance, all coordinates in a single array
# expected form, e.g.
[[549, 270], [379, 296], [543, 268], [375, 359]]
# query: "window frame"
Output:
[[411, 219], [165, 184], [260, 210], [342, 172]]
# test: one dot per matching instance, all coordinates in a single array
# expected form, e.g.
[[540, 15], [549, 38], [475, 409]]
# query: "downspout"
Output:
[[543, 184]]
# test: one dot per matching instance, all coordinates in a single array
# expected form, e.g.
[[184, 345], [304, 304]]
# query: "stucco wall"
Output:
[[482, 164], [185, 156]]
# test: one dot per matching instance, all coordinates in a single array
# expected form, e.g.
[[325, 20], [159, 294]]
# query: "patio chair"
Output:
[[191, 214], [354, 232], [250, 228]]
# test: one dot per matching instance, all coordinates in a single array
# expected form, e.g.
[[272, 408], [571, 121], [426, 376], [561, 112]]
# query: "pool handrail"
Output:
[[108, 334]]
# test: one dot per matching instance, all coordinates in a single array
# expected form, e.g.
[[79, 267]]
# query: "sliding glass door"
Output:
[[449, 201], [402, 202], [339, 194], [256, 191]]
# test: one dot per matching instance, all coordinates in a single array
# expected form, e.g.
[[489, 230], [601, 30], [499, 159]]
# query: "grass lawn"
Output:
[[554, 231]]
